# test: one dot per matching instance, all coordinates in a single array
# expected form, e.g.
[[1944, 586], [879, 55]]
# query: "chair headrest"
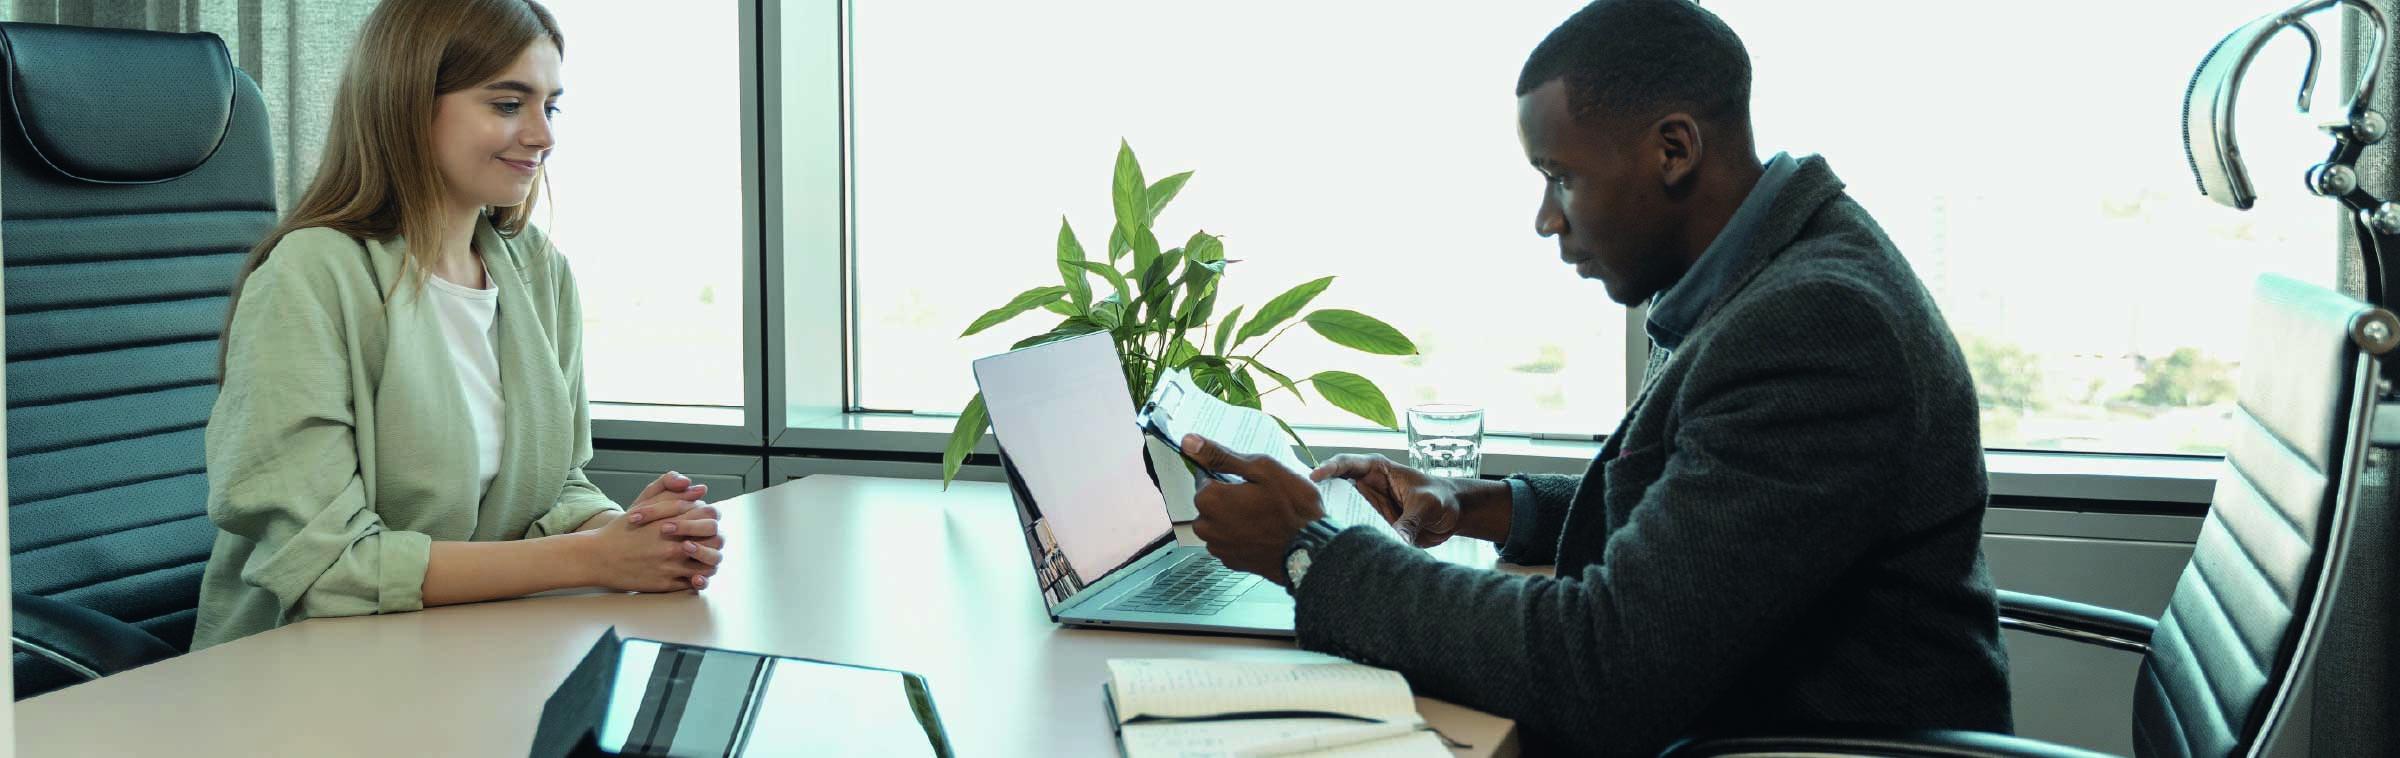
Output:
[[117, 106]]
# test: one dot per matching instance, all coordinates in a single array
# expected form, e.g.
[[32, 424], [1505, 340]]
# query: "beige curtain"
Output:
[[294, 49]]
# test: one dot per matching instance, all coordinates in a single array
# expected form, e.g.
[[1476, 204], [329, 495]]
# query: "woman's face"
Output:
[[490, 139]]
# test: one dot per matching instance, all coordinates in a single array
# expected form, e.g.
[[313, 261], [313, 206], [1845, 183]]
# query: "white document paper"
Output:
[[1182, 407]]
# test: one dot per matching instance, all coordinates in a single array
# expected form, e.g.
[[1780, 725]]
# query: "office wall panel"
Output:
[[782, 469]]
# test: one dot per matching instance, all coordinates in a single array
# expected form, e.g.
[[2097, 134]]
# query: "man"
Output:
[[1783, 533]]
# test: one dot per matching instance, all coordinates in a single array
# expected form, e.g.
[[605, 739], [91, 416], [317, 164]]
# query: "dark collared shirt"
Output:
[[1675, 312]]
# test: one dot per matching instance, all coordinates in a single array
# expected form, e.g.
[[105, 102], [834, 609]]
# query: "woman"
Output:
[[402, 421]]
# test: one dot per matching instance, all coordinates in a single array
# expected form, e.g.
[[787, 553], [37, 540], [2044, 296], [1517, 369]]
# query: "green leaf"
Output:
[[963, 437], [1280, 379], [1072, 327], [1199, 290], [1196, 314], [1062, 308], [1024, 301], [1182, 351], [1145, 248], [1353, 393], [1212, 378], [1127, 190], [1205, 247], [1117, 280], [1248, 388], [1117, 244], [1306, 455], [1070, 252], [1225, 328], [1108, 313], [1158, 287], [1359, 331], [1069, 248], [1157, 197], [1283, 307]]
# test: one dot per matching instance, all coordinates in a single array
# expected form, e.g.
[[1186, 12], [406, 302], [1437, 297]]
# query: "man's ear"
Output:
[[1679, 148]]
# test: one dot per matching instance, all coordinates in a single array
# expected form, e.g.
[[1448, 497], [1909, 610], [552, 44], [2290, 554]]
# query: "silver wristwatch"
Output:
[[1296, 558]]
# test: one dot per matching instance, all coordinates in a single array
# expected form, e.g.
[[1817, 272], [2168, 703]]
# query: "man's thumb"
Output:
[[1203, 451]]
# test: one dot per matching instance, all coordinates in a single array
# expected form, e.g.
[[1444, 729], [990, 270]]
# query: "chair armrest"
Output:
[[1919, 743], [84, 642], [2081, 622]]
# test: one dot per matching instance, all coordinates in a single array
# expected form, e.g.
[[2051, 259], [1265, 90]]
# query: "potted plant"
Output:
[[1160, 306]]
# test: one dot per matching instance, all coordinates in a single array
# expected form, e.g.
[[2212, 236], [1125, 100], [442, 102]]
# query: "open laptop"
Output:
[[1104, 552]]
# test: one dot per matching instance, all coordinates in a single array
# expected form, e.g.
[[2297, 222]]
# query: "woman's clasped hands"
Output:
[[667, 540]]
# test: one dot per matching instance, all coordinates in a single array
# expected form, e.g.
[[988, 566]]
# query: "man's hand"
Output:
[[1425, 510], [1248, 525]]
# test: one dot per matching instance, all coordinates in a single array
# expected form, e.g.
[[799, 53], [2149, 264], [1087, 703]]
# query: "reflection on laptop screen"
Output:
[[1064, 414]]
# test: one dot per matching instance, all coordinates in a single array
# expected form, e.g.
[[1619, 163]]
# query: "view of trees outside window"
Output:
[[2033, 172]]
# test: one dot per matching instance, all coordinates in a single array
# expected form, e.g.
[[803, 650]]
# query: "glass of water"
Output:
[[1446, 439]]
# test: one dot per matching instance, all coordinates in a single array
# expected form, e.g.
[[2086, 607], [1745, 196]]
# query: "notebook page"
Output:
[[1217, 738], [1174, 688]]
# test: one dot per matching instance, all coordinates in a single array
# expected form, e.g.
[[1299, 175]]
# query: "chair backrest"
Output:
[[135, 174], [2245, 614]]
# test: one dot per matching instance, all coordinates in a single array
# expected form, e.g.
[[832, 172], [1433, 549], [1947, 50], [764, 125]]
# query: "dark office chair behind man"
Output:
[[2219, 669], [136, 175]]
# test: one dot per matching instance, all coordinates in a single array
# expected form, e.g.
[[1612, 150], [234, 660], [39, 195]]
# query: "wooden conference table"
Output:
[[880, 572]]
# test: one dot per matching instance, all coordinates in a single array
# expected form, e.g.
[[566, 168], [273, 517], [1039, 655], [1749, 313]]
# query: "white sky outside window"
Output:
[[1373, 142], [2027, 158], [2030, 169], [647, 202]]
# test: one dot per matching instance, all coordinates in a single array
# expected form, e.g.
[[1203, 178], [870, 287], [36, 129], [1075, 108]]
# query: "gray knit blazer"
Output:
[[1782, 533]]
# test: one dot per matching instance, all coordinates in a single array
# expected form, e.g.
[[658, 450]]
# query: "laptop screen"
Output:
[[1064, 415]]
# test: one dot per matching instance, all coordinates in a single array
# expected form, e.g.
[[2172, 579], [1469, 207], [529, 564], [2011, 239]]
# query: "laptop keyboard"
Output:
[[1198, 586]]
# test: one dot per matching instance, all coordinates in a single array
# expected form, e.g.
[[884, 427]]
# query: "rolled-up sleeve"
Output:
[[283, 459]]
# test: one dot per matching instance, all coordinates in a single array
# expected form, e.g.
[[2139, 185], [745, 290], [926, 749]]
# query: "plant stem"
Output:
[[1295, 386], [1271, 340]]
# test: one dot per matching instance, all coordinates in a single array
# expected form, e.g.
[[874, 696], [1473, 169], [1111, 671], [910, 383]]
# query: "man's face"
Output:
[[1604, 202]]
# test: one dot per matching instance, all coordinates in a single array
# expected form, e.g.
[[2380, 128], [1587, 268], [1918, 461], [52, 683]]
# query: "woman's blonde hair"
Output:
[[378, 179]]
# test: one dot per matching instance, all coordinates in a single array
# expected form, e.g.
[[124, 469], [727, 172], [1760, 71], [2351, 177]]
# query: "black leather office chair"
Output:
[[136, 175], [2219, 669]]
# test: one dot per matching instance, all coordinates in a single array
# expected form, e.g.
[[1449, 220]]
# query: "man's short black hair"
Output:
[[1644, 58]]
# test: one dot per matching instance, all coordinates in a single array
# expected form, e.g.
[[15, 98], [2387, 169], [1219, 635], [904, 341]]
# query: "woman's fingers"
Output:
[[705, 555], [694, 528], [662, 511], [667, 482]]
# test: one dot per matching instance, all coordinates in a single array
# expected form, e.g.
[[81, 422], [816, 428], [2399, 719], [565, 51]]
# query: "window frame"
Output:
[[648, 422]]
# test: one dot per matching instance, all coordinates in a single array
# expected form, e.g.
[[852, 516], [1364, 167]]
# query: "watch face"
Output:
[[1296, 564]]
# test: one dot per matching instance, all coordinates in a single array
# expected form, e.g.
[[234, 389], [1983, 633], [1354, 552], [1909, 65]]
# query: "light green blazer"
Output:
[[339, 449]]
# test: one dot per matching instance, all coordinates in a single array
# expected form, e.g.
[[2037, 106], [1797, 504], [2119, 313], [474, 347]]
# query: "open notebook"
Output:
[[1170, 707]]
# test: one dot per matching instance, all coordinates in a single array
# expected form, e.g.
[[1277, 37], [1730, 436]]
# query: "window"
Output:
[[647, 199], [1377, 145], [2032, 170]]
